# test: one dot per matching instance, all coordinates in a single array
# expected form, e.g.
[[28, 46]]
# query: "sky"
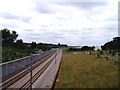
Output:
[[72, 22]]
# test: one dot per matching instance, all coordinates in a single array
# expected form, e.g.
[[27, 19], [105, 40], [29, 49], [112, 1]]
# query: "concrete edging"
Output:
[[56, 75]]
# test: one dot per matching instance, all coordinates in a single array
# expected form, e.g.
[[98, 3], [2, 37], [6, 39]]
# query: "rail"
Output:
[[38, 69]]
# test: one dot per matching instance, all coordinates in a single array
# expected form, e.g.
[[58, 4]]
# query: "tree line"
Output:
[[13, 48], [84, 48], [112, 45], [10, 39]]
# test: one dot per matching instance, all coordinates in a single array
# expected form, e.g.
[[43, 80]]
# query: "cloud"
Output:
[[43, 7], [9, 25], [28, 30], [15, 17], [74, 23], [84, 5]]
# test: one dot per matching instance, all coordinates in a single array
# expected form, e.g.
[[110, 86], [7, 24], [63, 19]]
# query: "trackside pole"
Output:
[[30, 70], [55, 58]]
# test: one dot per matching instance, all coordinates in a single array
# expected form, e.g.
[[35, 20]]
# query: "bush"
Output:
[[11, 53]]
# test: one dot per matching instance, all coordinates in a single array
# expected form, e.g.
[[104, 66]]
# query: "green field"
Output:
[[81, 70]]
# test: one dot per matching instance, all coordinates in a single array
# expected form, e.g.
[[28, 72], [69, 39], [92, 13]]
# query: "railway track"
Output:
[[21, 80], [34, 78]]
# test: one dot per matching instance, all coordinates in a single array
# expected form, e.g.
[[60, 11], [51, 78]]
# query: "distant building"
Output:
[[97, 47]]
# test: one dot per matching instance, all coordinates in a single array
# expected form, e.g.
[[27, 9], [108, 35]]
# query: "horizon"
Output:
[[78, 23]]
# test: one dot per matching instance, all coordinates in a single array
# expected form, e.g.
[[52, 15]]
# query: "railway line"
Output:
[[22, 79]]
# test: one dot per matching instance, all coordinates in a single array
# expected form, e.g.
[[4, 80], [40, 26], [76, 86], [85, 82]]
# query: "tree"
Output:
[[19, 41], [58, 44], [33, 45], [112, 45], [8, 37], [87, 48]]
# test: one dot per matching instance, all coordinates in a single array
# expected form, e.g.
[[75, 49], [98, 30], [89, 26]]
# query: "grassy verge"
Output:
[[81, 70]]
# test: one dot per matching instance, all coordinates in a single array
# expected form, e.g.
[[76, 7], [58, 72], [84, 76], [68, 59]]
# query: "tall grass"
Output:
[[80, 70]]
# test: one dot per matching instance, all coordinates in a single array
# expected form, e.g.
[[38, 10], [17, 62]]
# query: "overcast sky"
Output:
[[71, 22]]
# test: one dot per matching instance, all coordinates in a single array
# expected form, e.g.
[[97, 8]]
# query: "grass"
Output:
[[81, 70]]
